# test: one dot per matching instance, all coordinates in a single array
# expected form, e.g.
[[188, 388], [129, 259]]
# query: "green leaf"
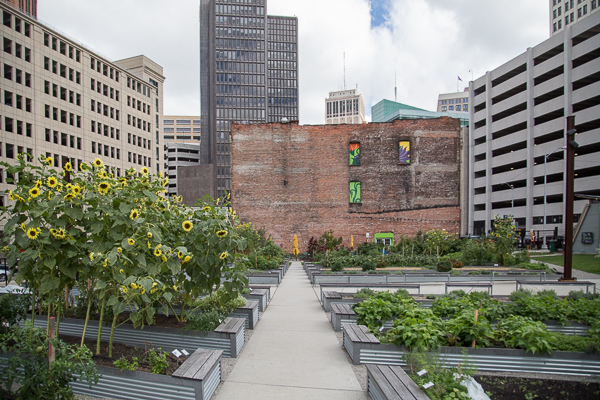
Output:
[[50, 262], [174, 266], [141, 259], [146, 283], [69, 269], [125, 208], [100, 285], [113, 301], [119, 308], [74, 212], [168, 296], [112, 258], [49, 285], [153, 197]]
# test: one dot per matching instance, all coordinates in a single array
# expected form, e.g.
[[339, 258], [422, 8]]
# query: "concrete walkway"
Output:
[[294, 353]]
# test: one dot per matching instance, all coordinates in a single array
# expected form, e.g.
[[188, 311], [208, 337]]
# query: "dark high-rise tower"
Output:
[[248, 74]]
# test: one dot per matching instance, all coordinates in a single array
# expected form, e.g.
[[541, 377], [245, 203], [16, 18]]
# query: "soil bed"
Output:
[[160, 320], [510, 388], [123, 350]]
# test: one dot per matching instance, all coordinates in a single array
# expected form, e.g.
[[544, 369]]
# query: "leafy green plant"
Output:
[[13, 309], [445, 380], [586, 344], [520, 294], [124, 364], [206, 321], [524, 333], [418, 330], [466, 330], [158, 361], [444, 265], [504, 238], [28, 369], [580, 294], [364, 293]]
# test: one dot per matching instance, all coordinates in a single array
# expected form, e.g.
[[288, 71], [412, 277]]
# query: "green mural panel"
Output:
[[355, 192], [354, 152]]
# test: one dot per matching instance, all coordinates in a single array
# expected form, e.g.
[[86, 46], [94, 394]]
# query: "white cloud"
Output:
[[427, 42]]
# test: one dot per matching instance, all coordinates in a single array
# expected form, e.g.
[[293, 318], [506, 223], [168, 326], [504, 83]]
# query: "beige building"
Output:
[[457, 102], [566, 12], [60, 99], [181, 129], [181, 135], [345, 107]]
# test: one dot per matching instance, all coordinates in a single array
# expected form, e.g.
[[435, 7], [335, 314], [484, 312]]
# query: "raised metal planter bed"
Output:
[[249, 313], [329, 300], [260, 295], [265, 278], [136, 385], [364, 348], [229, 336]]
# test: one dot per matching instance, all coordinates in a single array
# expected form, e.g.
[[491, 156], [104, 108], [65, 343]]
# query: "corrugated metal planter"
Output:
[[368, 350], [328, 301], [136, 385], [226, 337], [260, 295], [249, 313], [265, 278]]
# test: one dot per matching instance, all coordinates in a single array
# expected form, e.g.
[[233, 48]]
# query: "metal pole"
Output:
[[545, 179], [570, 197]]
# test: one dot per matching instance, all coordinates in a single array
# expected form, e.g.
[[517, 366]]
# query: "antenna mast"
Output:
[[344, 70], [395, 88]]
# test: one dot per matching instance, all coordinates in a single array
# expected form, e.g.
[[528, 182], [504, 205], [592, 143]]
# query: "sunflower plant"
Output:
[[504, 237], [119, 239]]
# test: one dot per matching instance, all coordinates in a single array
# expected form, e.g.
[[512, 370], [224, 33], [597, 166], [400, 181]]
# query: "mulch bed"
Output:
[[122, 350], [510, 388]]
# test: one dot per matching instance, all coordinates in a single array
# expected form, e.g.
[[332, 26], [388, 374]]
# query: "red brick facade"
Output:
[[294, 180]]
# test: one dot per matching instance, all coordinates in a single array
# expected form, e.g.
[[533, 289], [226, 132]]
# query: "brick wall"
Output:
[[294, 180]]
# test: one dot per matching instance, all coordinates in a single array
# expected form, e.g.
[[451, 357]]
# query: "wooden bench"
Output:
[[249, 312], [488, 286], [203, 365], [264, 287], [342, 314], [391, 382], [542, 274], [369, 285], [559, 283]]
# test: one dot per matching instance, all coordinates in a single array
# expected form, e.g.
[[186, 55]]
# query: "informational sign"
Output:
[[587, 237], [422, 372], [185, 353], [428, 385], [176, 353]]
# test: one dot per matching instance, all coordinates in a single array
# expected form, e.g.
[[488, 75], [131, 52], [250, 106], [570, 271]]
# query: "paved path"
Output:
[[294, 353]]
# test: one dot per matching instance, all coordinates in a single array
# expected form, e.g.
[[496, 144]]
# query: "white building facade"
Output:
[[566, 12], [454, 102], [345, 107]]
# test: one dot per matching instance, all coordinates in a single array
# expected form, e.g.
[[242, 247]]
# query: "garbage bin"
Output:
[[552, 246]]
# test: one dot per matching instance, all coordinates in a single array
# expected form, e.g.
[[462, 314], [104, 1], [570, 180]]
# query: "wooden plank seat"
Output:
[[342, 314], [392, 383], [488, 286], [587, 284], [369, 285], [360, 333], [230, 325], [203, 365], [264, 287]]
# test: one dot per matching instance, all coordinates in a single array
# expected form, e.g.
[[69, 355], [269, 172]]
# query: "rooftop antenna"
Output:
[[344, 70], [395, 88]]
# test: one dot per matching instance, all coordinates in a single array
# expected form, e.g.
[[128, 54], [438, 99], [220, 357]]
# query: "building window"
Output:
[[404, 152], [354, 152], [355, 195]]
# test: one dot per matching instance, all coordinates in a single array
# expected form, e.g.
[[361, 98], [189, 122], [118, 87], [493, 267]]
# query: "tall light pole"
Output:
[[512, 201], [570, 189], [545, 179]]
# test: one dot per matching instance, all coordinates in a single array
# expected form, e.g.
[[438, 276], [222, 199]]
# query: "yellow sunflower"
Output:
[[83, 166], [103, 187], [49, 161], [76, 190], [144, 171], [224, 255], [69, 197], [52, 182], [187, 258], [38, 184], [187, 226], [34, 192], [98, 163], [68, 167], [33, 233], [157, 252], [222, 233], [119, 250], [120, 271], [124, 289], [130, 241], [164, 258], [149, 235], [134, 214], [179, 254]]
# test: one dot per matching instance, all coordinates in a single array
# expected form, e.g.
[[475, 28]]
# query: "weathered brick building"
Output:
[[398, 177]]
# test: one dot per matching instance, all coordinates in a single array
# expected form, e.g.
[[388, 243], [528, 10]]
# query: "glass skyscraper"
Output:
[[248, 74]]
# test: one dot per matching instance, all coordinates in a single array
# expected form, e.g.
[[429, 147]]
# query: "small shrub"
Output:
[[124, 364], [364, 293], [520, 294], [402, 293], [158, 362], [206, 321], [444, 265], [430, 297], [580, 294], [547, 292]]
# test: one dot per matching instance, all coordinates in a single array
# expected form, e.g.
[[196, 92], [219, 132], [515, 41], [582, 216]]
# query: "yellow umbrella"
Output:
[[295, 251], [351, 241]]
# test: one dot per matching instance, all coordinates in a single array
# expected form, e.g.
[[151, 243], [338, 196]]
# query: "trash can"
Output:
[[552, 246]]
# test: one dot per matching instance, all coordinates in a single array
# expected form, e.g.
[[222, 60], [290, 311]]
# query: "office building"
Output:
[[28, 7], [457, 102], [181, 129], [60, 99], [345, 107], [518, 113], [248, 74], [387, 110], [566, 12]]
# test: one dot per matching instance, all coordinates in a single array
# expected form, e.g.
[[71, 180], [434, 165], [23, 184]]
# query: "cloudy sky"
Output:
[[426, 43]]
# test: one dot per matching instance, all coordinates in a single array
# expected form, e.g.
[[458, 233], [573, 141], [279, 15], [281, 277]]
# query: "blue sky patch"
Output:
[[379, 11]]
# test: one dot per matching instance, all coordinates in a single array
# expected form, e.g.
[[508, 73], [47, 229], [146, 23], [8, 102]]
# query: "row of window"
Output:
[[240, 55], [280, 46], [139, 159], [105, 110], [73, 76], [16, 126], [239, 21], [11, 151], [63, 139], [239, 10], [62, 116], [282, 73], [62, 93], [109, 151], [19, 26], [181, 137], [17, 101], [104, 89], [139, 87], [241, 90], [342, 108], [181, 122], [465, 107], [240, 32], [18, 75], [141, 106], [282, 55], [247, 44], [104, 69], [240, 67], [139, 141], [60, 46], [141, 124], [457, 101], [108, 131], [272, 64], [19, 50], [180, 130], [355, 155], [241, 114], [242, 79]]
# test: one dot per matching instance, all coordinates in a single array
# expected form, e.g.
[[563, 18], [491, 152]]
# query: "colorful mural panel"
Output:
[[354, 151], [404, 152], [355, 192]]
